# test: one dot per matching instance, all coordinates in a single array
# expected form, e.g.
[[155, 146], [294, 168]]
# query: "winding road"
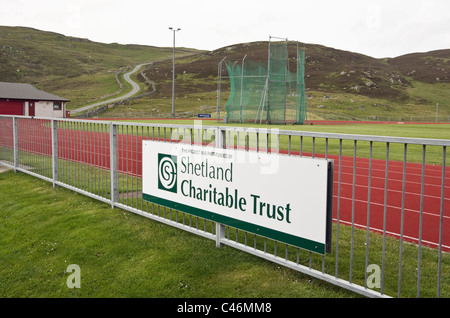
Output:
[[134, 91]]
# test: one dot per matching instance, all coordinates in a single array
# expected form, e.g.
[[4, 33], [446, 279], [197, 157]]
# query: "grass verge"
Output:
[[43, 230]]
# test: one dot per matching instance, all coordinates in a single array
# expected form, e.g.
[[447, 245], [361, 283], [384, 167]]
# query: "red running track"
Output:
[[388, 216], [93, 148]]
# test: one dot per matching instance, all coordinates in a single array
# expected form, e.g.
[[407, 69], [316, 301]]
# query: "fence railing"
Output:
[[391, 218], [442, 118]]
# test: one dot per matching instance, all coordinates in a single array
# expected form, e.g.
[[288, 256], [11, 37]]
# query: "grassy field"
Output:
[[199, 95], [430, 131], [421, 105], [44, 230]]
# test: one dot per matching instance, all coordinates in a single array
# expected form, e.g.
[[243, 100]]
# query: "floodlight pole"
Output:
[[173, 71]]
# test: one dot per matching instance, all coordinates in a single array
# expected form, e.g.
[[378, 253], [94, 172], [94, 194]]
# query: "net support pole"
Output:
[[286, 79], [268, 82], [242, 88]]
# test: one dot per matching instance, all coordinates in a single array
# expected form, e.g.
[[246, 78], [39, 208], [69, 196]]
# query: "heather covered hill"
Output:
[[338, 83], [78, 69], [431, 67], [327, 69]]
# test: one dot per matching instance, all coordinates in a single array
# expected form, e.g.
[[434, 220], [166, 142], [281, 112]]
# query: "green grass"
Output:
[[120, 254], [430, 131], [187, 106], [432, 94], [420, 106]]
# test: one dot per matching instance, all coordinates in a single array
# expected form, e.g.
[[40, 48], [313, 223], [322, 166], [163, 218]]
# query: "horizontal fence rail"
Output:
[[391, 228]]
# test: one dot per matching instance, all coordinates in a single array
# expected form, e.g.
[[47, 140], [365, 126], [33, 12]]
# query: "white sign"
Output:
[[282, 197]]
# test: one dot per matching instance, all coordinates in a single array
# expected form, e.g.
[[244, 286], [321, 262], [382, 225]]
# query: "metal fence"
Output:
[[390, 235]]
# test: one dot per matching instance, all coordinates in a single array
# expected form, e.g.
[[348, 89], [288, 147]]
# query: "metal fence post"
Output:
[[16, 144], [113, 162], [54, 152], [220, 228]]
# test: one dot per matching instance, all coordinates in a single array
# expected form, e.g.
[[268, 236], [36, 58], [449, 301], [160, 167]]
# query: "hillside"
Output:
[[327, 69], [431, 67], [68, 66], [339, 84]]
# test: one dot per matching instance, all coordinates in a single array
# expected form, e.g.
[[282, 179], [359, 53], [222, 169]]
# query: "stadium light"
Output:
[[173, 71]]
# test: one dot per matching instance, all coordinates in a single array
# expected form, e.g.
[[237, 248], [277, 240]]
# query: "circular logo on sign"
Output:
[[167, 173]]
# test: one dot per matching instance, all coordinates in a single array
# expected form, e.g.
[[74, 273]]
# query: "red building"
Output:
[[26, 100]]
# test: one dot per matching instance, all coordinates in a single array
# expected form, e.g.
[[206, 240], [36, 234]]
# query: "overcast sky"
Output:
[[378, 28]]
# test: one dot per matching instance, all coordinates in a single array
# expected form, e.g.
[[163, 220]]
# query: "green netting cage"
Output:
[[271, 92]]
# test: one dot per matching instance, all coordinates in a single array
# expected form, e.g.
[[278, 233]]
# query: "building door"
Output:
[[31, 111], [11, 108]]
